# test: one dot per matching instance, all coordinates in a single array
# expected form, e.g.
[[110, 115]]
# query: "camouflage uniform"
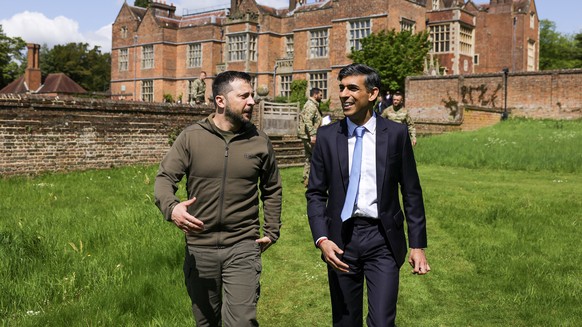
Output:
[[198, 91], [309, 122], [400, 115]]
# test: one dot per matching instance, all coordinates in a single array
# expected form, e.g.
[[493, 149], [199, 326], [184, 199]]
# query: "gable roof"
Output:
[[60, 83], [16, 86]]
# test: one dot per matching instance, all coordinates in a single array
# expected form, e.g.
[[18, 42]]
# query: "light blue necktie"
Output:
[[354, 182]]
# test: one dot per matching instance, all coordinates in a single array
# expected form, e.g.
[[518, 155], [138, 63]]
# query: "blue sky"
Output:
[[62, 21]]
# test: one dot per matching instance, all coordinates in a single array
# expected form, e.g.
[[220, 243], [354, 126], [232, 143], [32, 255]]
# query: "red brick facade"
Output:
[[310, 40]]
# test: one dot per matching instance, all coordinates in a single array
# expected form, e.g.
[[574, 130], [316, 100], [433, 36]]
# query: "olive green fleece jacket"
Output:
[[223, 176]]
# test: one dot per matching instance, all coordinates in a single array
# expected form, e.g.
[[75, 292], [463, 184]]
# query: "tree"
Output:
[[141, 3], [88, 67], [298, 91], [12, 60], [395, 55], [558, 51]]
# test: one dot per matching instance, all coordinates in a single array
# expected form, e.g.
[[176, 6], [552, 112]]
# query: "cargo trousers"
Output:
[[223, 283]]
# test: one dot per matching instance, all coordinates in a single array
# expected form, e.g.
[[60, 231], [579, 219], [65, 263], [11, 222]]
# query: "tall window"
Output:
[[358, 30], [440, 36], [531, 56], [147, 91], [319, 80], [285, 89], [147, 57], [532, 20], [123, 59], [435, 4], [124, 32], [194, 55], [289, 48], [237, 47], [318, 46], [407, 25], [241, 47], [466, 41], [252, 47]]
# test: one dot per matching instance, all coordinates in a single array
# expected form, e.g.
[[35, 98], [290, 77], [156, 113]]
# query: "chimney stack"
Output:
[[292, 5], [32, 75]]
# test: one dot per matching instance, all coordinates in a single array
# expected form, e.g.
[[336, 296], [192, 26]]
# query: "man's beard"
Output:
[[235, 118]]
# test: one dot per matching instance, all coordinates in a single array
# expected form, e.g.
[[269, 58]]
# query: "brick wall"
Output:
[[45, 135], [478, 100], [38, 135]]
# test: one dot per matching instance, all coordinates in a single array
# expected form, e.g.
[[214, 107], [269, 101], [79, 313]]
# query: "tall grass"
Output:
[[515, 144], [91, 249]]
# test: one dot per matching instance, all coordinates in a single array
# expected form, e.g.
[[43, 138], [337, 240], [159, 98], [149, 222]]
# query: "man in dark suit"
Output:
[[355, 214]]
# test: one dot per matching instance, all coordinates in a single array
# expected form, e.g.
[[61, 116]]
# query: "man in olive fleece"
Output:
[[224, 157]]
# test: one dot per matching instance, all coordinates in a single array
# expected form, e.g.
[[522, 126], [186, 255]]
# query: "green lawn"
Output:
[[91, 249]]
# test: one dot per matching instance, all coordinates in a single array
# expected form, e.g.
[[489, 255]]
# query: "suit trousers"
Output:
[[368, 256], [223, 283]]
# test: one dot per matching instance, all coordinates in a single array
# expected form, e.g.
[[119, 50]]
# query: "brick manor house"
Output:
[[156, 53]]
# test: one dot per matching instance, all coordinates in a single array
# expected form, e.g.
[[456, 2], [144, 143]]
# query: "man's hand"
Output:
[[264, 243], [330, 251], [417, 260], [185, 221], [312, 139], [413, 142]]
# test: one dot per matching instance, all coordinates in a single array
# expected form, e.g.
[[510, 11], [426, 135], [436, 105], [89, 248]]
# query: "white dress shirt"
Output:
[[367, 199]]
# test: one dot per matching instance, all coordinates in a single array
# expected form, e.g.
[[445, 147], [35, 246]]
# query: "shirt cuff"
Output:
[[319, 240]]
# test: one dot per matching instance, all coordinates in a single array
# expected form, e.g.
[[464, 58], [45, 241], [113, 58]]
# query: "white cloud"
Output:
[[101, 38], [35, 27]]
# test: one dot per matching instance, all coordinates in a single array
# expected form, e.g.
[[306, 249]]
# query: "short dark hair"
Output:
[[372, 77], [398, 93], [314, 91], [221, 84]]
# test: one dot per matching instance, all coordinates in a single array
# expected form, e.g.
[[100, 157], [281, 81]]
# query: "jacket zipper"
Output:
[[223, 186]]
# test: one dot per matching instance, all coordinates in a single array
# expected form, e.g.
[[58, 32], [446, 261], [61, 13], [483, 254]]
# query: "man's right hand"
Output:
[[330, 251], [312, 139], [185, 221]]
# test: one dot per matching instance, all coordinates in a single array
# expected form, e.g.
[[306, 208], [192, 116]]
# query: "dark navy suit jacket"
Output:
[[395, 166]]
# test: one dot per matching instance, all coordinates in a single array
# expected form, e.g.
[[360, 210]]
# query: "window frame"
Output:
[[318, 43], [194, 55], [357, 32], [147, 91], [285, 85], [147, 56], [442, 42], [123, 61], [319, 80]]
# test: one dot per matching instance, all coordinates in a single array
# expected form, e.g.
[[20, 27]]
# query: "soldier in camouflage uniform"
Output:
[[399, 114], [309, 121], [198, 90]]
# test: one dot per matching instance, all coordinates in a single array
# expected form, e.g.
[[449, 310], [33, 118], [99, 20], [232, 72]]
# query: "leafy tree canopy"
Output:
[[141, 3], [558, 51], [12, 60], [395, 55], [88, 67]]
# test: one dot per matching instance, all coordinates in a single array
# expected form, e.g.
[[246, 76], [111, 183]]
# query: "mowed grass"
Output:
[[91, 249]]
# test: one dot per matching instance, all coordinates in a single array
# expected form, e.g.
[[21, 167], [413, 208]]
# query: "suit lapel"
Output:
[[342, 151], [381, 155]]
